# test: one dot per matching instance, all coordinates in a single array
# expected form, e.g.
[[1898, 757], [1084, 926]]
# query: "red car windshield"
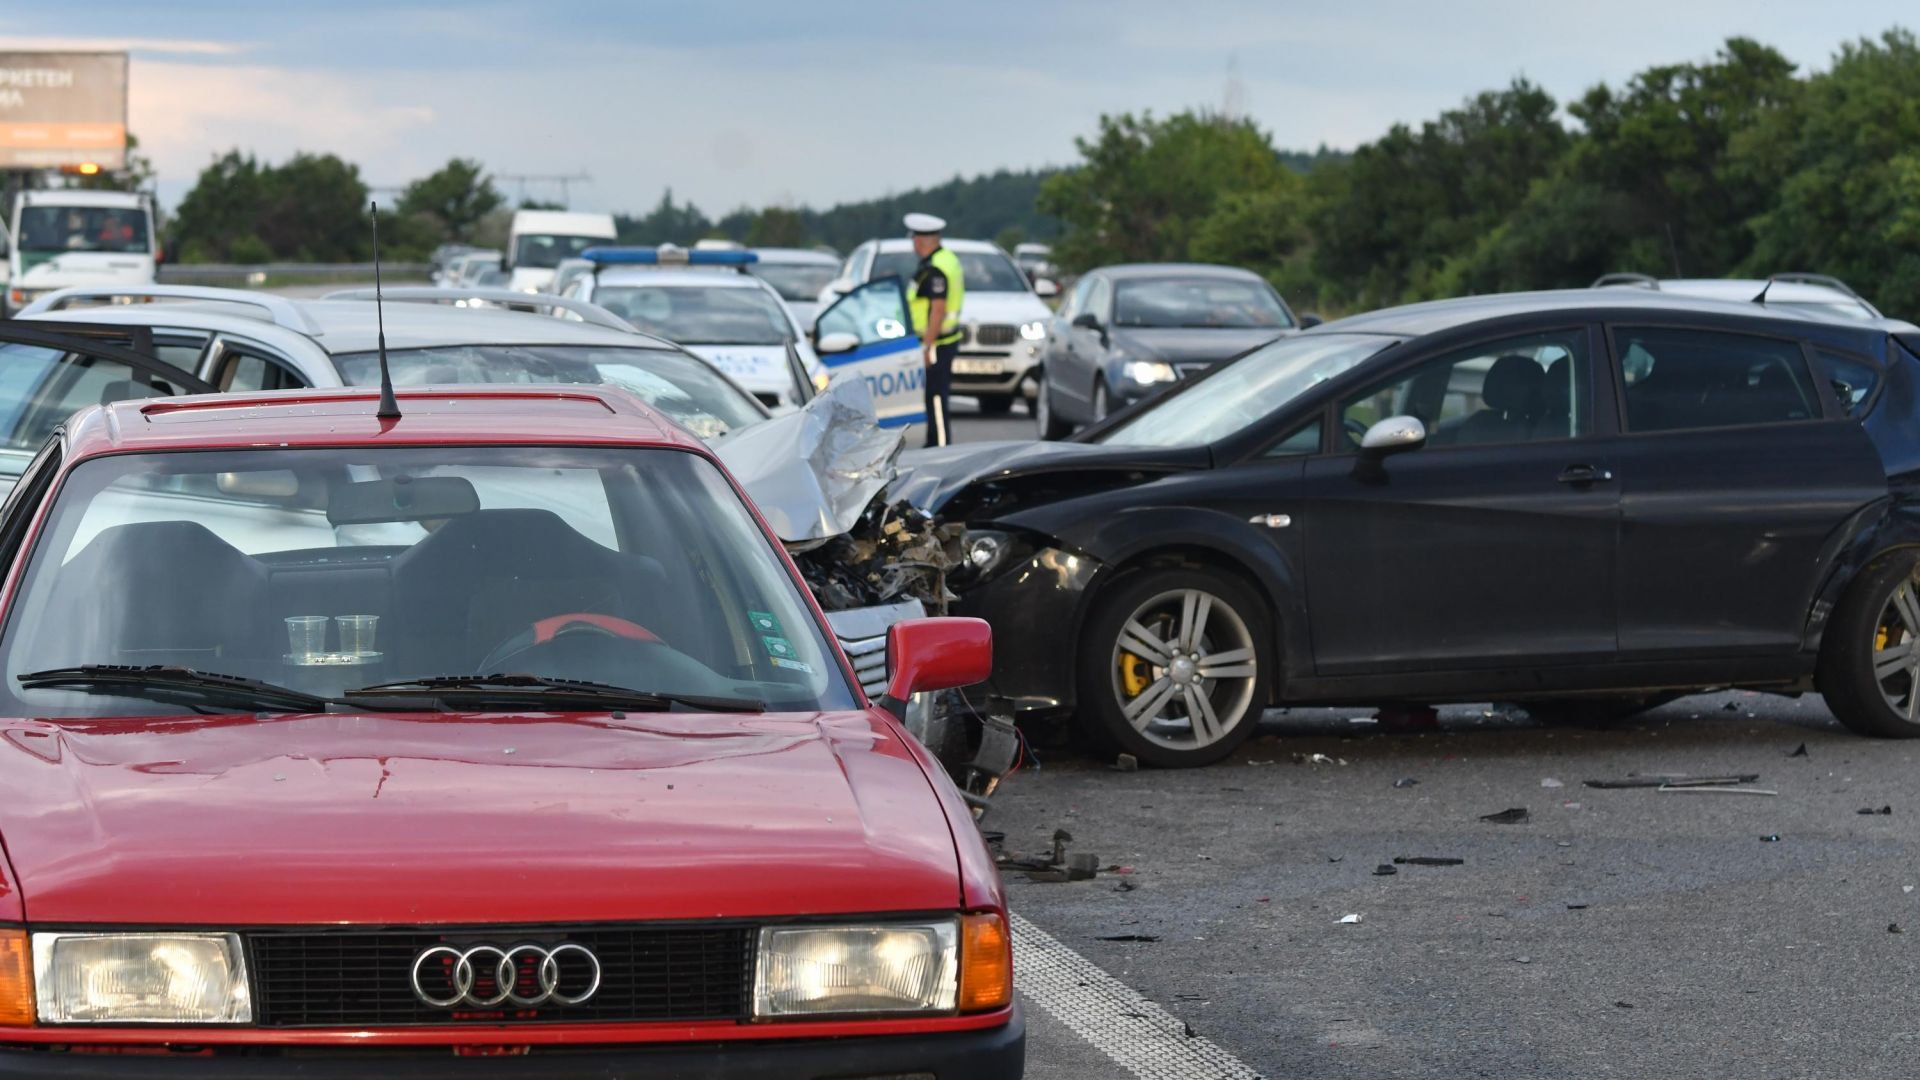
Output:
[[325, 570]]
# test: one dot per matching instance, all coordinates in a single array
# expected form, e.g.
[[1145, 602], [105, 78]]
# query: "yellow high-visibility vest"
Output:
[[949, 264]]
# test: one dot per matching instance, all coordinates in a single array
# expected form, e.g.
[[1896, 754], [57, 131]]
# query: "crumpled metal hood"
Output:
[[813, 472], [929, 479]]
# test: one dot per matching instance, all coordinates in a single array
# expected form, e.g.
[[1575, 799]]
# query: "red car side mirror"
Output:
[[936, 654]]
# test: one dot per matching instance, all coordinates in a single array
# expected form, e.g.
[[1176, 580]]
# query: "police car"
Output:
[[704, 301]]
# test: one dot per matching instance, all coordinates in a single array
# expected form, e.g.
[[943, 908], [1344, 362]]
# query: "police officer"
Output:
[[936, 295]]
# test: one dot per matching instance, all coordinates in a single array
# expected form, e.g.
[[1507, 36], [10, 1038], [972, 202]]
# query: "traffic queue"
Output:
[[636, 585]]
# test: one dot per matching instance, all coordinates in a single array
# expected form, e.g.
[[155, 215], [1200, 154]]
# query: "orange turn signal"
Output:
[[16, 979], [986, 963]]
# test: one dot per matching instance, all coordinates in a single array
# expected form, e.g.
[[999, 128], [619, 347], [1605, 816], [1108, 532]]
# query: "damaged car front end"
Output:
[[820, 476]]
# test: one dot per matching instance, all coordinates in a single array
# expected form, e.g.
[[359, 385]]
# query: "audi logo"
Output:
[[484, 976]]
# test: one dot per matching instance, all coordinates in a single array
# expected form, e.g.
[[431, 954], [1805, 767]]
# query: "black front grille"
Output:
[[995, 334], [356, 978]]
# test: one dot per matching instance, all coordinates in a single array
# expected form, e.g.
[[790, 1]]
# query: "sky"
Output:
[[758, 102]]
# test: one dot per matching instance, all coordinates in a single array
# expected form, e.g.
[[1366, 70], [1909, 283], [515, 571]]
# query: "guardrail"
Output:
[[255, 275]]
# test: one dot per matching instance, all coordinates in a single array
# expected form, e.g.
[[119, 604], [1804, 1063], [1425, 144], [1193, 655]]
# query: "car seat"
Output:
[[1512, 394]]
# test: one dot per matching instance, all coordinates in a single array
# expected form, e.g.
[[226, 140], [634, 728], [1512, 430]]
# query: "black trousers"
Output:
[[938, 386]]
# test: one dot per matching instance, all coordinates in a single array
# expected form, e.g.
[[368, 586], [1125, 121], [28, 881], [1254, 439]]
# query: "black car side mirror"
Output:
[[1087, 320], [1309, 320]]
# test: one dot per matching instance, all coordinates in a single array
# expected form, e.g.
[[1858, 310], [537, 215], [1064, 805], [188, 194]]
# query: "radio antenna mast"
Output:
[[389, 408]]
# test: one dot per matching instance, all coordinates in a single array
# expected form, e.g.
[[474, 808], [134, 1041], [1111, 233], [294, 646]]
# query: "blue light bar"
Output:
[[666, 255]]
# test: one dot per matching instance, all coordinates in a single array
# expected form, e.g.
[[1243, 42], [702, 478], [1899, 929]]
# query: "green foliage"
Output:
[[454, 200], [777, 226], [1850, 205], [311, 209], [1146, 186]]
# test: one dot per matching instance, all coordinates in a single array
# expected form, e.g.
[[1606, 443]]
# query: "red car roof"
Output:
[[574, 415]]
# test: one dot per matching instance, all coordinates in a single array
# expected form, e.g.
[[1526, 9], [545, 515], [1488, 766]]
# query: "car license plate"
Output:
[[978, 367]]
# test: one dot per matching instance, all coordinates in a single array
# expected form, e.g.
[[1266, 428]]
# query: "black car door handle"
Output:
[[1585, 474]]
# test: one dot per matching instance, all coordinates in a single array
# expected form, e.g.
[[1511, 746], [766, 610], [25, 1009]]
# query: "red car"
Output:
[[346, 747]]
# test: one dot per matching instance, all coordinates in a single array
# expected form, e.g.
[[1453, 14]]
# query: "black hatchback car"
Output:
[[1585, 502]]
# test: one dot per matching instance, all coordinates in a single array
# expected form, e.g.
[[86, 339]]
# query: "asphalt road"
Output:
[[1628, 933]]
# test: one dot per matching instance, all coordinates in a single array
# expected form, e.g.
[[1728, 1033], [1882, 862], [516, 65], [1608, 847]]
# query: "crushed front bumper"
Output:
[[994, 1054]]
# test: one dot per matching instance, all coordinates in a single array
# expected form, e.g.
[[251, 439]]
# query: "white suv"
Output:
[[1003, 321]]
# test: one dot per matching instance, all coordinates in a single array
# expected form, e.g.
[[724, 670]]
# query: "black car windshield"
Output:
[[795, 281], [50, 230], [1198, 302], [544, 252], [699, 314], [325, 570], [984, 271], [684, 387], [1244, 392]]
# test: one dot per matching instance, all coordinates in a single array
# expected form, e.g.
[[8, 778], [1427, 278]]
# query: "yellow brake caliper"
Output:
[[1134, 674]]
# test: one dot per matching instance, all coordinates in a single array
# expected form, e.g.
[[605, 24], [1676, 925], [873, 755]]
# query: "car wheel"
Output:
[[1051, 426], [1174, 666], [993, 404], [1100, 403], [1870, 656], [1593, 711]]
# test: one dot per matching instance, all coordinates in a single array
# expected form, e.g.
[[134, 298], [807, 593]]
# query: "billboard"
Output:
[[63, 109]]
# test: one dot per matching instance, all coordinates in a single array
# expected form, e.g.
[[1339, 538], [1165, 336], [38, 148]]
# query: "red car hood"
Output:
[[437, 818]]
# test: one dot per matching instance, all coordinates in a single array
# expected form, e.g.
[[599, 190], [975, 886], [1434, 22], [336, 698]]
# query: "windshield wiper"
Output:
[[518, 689], [166, 683]]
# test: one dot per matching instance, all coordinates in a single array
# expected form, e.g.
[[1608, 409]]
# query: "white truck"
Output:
[[58, 238], [539, 239]]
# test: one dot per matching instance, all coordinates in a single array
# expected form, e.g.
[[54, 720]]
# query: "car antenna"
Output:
[[389, 408], [1761, 299]]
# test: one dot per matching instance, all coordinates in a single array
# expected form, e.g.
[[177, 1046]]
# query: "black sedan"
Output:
[[1129, 331], [1585, 502]]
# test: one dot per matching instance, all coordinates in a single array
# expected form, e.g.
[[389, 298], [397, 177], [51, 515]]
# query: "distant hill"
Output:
[[992, 206]]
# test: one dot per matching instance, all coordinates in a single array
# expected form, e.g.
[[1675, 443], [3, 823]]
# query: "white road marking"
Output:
[[1141, 1037]]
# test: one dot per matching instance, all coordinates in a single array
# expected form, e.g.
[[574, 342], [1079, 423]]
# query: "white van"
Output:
[[539, 239], [61, 238]]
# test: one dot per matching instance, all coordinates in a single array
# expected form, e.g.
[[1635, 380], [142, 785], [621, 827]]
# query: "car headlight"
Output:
[[1033, 331], [1148, 372], [820, 380], [884, 968], [932, 966], [140, 979]]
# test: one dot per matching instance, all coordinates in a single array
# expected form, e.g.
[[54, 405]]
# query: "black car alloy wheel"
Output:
[[1173, 666], [1870, 656]]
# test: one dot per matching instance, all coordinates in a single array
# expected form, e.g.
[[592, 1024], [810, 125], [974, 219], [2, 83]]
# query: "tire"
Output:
[[1050, 424], [1129, 702], [1870, 654], [1594, 711], [994, 404]]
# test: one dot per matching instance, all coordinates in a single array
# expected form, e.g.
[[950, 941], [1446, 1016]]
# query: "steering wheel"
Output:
[[555, 627], [1354, 428]]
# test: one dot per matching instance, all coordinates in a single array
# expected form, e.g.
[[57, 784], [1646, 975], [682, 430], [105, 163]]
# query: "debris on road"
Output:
[[1703, 789], [1315, 759], [1799, 751], [1523, 959], [1550, 782], [1428, 860], [1082, 867], [1673, 780], [1577, 907], [1384, 870], [1350, 918], [1623, 1004], [1770, 838], [1144, 939], [1883, 811], [1514, 816], [1894, 928], [1405, 782], [1126, 763]]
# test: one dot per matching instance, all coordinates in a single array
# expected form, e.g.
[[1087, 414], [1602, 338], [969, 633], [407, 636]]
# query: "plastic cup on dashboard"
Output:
[[306, 636], [356, 633]]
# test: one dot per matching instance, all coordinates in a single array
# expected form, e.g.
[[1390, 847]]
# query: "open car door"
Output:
[[50, 370], [868, 333]]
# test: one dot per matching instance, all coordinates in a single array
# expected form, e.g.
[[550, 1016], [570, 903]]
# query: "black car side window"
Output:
[[1687, 379], [1850, 378], [1524, 389], [1304, 440]]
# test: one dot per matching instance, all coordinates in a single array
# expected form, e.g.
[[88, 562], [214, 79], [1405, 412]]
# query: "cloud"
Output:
[[151, 46], [185, 113]]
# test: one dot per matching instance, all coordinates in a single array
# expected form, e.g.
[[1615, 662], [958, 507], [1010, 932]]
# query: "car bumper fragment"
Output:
[[994, 1054]]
